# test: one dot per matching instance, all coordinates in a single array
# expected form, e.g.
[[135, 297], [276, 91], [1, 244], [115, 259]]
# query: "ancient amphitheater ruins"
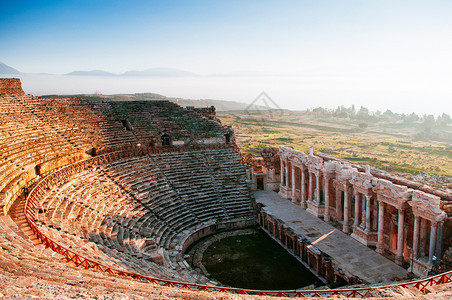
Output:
[[103, 198]]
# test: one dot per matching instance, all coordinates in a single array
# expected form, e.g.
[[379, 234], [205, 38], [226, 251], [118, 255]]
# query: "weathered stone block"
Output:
[[11, 86]]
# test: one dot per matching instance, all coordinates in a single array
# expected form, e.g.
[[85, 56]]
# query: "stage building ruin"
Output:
[[406, 221]]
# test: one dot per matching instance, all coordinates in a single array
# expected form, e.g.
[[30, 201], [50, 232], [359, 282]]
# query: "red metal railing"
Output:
[[71, 256]]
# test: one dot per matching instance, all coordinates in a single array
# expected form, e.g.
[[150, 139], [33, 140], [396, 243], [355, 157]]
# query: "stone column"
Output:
[[363, 212], [317, 190], [423, 237], [345, 225], [368, 198], [416, 236], [294, 191], [281, 174], [431, 250], [303, 187], [356, 219], [439, 240], [338, 204], [400, 231], [326, 215], [310, 187], [374, 217], [271, 227], [381, 212], [287, 175], [317, 265]]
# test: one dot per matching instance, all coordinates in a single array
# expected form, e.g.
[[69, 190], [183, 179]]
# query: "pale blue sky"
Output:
[[396, 45], [226, 36]]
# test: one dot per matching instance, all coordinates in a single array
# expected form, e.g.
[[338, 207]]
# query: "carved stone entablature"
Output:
[[284, 151], [362, 182], [289, 153], [427, 206], [345, 171], [393, 194], [363, 190], [295, 159], [315, 162], [338, 183], [314, 170], [304, 158], [329, 168]]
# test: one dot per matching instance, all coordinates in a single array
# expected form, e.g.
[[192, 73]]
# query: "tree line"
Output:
[[363, 114]]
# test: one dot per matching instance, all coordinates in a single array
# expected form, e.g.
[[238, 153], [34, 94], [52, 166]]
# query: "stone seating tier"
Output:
[[42, 132], [143, 208], [114, 212], [29, 271]]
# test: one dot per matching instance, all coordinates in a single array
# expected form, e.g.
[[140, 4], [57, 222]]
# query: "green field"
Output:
[[407, 149], [255, 261]]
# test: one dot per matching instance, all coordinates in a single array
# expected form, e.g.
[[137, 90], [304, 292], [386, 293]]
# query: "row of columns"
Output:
[[312, 186], [435, 243], [419, 234], [362, 213], [400, 231]]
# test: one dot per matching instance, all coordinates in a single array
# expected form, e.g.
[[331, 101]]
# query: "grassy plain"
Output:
[[392, 146], [255, 261]]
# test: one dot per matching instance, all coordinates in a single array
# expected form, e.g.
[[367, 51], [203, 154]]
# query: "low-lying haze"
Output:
[[288, 92]]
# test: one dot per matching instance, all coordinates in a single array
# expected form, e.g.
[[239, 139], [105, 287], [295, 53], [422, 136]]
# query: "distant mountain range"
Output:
[[163, 72], [152, 72], [91, 73], [221, 105], [7, 70]]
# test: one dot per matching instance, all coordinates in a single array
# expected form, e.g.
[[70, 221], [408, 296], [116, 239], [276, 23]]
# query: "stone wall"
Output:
[[214, 229], [319, 263], [11, 86], [263, 171]]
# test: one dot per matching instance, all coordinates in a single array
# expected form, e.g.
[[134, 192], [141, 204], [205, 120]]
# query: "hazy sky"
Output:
[[390, 47]]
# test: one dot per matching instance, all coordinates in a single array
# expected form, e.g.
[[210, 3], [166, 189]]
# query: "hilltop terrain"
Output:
[[409, 149]]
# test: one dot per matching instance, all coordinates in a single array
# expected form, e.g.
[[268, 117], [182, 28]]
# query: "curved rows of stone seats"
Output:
[[151, 119], [26, 141], [46, 133], [211, 181], [28, 271], [137, 212], [38, 135], [92, 207]]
